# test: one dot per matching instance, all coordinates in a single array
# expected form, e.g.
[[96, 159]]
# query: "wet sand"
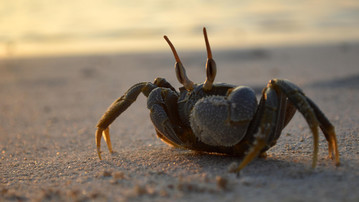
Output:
[[49, 108]]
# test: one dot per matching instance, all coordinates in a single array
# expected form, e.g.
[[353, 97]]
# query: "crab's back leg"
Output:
[[286, 113], [297, 97], [328, 130], [289, 112], [116, 108], [270, 122], [313, 115]]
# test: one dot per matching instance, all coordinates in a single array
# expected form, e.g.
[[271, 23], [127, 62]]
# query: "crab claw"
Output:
[[106, 135], [211, 68]]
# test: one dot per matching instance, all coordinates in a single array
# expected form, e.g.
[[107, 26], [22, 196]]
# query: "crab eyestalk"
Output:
[[211, 68], [180, 70]]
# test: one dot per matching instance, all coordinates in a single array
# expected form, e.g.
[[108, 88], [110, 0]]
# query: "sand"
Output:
[[49, 108]]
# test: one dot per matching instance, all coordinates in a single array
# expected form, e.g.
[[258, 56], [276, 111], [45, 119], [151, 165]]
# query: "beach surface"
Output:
[[49, 108]]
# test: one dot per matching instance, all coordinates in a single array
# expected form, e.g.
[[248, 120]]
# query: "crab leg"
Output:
[[313, 116], [106, 135], [298, 99], [310, 111], [329, 132], [285, 114], [98, 135], [116, 108]]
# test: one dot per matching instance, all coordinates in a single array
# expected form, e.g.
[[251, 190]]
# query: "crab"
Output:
[[219, 117]]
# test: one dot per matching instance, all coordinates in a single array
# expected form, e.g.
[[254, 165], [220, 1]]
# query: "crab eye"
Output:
[[182, 76], [180, 70], [211, 68], [211, 71]]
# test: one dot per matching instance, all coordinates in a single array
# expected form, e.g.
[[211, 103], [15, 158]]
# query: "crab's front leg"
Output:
[[116, 108], [120, 105]]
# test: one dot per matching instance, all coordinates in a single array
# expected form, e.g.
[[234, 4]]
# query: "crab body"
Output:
[[213, 120], [219, 117]]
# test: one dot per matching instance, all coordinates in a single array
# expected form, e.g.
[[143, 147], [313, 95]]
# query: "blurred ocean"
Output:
[[43, 27]]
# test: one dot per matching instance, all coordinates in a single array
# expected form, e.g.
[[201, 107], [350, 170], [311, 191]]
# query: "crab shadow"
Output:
[[175, 161], [269, 166], [172, 162]]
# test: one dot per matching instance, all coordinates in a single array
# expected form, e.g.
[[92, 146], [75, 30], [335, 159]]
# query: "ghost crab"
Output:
[[219, 117]]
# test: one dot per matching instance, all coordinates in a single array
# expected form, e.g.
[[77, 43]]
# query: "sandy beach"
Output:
[[49, 108]]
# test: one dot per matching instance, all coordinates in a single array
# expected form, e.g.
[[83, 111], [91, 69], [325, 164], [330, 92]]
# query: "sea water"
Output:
[[42, 27]]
